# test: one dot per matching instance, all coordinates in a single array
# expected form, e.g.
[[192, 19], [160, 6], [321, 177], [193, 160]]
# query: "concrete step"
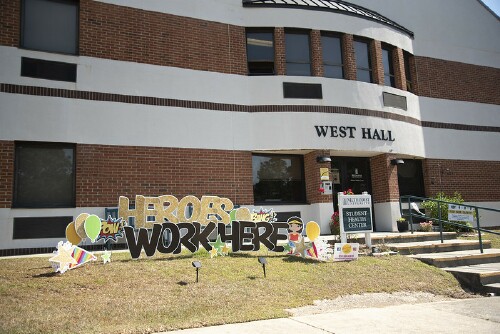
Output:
[[459, 258], [409, 248], [476, 277], [404, 237], [492, 288]]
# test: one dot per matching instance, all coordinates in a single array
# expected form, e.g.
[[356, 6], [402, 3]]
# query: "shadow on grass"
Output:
[[294, 259], [45, 275], [182, 283]]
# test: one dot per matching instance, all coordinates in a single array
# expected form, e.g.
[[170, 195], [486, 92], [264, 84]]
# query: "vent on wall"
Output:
[[292, 90], [46, 69], [395, 101]]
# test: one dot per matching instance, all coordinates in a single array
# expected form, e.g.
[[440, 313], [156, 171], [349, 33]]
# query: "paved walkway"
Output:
[[478, 315]]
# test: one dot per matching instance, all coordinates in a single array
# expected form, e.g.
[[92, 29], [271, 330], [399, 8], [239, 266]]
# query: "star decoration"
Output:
[[106, 256], [225, 250], [63, 256], [217, 245], [300, 248], [287, 248], [213, 253]]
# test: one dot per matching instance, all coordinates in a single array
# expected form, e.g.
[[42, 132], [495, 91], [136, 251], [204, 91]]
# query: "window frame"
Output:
[[22, 29], [369, 69], [325, 64], [303, 200], [15, 201], [260, 30], [299, 32], [391, 75]]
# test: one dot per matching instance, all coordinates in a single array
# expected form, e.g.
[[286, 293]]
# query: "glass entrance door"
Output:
[[350, 173]]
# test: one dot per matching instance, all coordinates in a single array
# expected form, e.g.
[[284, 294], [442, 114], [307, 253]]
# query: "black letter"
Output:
[[321, 130], [142, 241], [186, 238], [174, 241], [202, 237], [366, 133]]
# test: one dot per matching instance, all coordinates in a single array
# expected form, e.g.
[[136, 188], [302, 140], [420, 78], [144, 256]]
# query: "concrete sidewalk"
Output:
[[478, 315]]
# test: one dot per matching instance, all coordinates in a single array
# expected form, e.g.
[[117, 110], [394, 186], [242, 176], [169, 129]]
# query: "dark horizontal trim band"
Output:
[[165, 102]]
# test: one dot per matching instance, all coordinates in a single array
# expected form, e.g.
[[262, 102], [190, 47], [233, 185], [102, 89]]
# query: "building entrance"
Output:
[[350, 173]]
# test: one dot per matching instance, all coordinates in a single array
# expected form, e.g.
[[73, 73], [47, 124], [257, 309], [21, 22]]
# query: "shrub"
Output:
[[431, 210]]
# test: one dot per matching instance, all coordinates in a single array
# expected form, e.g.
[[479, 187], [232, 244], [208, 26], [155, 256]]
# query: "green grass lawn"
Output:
[[160, 293]]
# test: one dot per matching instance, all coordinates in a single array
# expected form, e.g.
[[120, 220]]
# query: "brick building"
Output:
[[108, 98]]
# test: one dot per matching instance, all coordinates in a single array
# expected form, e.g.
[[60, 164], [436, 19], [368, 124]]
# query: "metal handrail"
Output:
[[476, 208]]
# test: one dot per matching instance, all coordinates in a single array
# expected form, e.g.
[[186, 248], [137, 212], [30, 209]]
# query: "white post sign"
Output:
[[460, 213], [355, 215]]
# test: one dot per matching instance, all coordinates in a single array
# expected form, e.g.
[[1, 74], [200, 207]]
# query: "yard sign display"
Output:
[[460, 213], [165, 224], [355, 214]]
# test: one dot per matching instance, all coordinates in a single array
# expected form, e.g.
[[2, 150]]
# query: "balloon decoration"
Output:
[[312, 230], [79, 225], [71, 234], [92, 227]]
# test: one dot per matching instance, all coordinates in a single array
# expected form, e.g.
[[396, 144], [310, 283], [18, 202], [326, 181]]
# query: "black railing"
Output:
[[413, 199], [342, 7]]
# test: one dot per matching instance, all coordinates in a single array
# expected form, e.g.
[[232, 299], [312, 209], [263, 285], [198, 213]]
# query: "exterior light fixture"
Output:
[[197, 265], [397, 162], [263, 261], [322, 159]]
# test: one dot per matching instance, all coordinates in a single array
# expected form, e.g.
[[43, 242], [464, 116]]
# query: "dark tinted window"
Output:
[[298, 58], [409, 85], [44, 175], [40, 227], [410, 178], [388, 67], [278, 178], [50, 25], [50, 70], [260, 52], [363, 63], [332, 57]]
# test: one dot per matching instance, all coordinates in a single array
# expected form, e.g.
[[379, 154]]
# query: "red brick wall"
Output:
[[10, 13], [6, 173], [474, 180], [130, 34], [313, 178], [451, 80], [104, 173], [316, 54], [376, 60], [384, 179], [279, 51], [348, 57], [399, 68]]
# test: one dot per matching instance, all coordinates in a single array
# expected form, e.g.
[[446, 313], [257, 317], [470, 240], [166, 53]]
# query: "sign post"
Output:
[[355, 214]]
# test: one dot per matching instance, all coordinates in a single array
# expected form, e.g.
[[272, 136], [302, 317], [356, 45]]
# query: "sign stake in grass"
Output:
[[263, 261], [197, 265]]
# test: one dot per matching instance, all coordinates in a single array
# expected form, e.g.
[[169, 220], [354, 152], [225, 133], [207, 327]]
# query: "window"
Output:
[[278, 179], [260, 52], [50, 25], [410, 178], [363, 63], [44, 175], [332, 57], [388, 67], [406, 58], [298, 58]]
